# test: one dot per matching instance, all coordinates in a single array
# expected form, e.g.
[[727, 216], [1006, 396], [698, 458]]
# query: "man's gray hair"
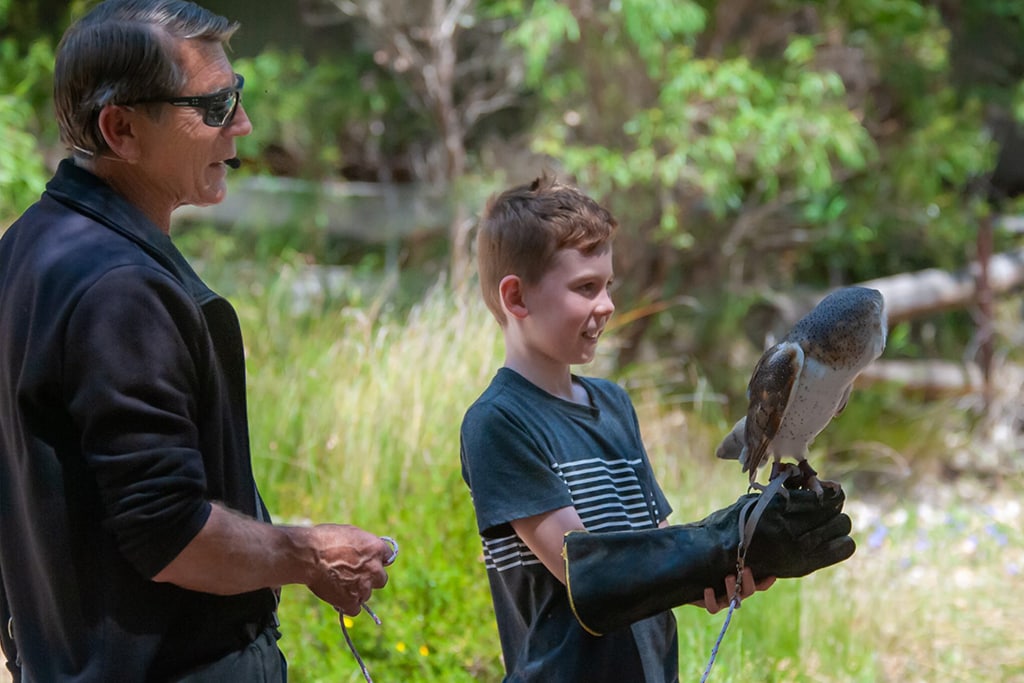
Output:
[[123, 52]]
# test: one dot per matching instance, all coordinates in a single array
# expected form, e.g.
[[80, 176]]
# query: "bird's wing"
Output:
[[771, 386]]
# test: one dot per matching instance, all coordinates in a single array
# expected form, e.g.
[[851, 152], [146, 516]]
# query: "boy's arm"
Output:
[[544, 534]]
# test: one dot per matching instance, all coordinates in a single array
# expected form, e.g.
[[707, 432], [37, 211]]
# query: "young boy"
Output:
[[546, 452]]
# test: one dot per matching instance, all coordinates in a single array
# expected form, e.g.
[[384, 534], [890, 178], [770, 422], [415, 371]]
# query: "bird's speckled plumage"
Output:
[[805, 380]]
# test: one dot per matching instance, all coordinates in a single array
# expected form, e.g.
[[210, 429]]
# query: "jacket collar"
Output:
[[86, 193]]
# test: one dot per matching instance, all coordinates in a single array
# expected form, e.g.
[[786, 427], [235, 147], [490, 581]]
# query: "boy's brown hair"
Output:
[[523, 227]]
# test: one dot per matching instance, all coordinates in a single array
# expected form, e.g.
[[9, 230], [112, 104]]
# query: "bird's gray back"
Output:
[[846, 329]]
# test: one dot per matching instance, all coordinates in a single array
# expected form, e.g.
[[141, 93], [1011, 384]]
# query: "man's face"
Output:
[[181, 159], [570, 306]]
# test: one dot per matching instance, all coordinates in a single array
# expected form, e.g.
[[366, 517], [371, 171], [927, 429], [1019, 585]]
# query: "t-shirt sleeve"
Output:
[[507, 473]]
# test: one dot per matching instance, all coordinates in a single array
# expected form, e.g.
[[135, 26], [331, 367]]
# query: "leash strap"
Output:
[[341, 617], [352, 646], [747, 525]]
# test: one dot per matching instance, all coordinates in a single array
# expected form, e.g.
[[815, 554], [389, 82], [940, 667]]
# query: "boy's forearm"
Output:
[[544, 534]]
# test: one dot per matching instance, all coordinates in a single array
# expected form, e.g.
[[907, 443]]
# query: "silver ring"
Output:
[[394, 550]]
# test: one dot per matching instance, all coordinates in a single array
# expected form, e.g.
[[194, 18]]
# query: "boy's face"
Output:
[[570, 306]]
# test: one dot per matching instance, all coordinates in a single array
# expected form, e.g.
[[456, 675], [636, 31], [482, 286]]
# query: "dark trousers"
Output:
[[260, 662]]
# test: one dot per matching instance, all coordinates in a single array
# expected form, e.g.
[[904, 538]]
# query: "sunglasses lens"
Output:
[[220, 111]]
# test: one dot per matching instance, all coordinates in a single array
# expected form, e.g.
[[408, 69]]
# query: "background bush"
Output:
[[355, 411]]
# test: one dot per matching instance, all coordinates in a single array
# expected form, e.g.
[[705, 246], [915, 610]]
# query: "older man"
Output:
[[134, 545]]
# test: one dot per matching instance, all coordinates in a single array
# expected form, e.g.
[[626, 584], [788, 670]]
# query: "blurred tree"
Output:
[[455, 71], [454, 75], [743, 144], [749, 145], [986, 57], [26, 75]]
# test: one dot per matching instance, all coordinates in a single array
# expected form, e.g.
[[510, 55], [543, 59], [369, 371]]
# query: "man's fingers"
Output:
[[350, 608], [379, 579]]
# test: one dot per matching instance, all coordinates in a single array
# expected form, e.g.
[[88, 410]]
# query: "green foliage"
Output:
[[688, 132], [910, 211], [311, 112], [731, 129], [22, 175], [25, 75], [355, 411], [377, 447], [546, 26], [651, 24]]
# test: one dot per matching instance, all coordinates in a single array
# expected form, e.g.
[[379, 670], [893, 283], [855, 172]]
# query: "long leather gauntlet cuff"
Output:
[[616, 578]]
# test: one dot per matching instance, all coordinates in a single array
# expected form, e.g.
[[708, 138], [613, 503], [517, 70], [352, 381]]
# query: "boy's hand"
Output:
[[714, 602]]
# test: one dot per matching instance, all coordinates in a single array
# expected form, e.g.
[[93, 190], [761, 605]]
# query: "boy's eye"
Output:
[[594, 287]]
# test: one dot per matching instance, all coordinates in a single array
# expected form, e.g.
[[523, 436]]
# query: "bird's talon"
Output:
[[814, 485]]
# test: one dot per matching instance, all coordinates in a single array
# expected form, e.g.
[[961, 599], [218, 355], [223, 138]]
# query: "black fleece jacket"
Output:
[[122, 415]]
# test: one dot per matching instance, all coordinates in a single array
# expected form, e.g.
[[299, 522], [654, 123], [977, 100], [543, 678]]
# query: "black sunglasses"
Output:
[[218, 108]]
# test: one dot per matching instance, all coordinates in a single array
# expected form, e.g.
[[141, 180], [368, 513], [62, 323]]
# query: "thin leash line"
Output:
[[733, 604], [746, 533], [341, 617], [352, 646]]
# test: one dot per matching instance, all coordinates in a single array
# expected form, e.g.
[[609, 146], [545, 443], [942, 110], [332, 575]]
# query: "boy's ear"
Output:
[[510, 289]]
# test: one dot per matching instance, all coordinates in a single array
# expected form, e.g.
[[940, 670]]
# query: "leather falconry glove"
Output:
[[617, 578]]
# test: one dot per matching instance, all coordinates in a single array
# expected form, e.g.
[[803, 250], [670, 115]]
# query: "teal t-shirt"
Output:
[[526, 452]]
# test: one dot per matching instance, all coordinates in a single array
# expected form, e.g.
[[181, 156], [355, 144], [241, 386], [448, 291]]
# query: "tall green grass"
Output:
[[355, 412], [355, 418]]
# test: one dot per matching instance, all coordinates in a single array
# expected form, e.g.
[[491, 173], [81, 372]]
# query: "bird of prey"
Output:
[[804, 381]]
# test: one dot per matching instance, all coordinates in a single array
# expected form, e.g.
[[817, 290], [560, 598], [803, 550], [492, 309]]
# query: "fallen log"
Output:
[[907, 295], [925, 292], [930, 378]]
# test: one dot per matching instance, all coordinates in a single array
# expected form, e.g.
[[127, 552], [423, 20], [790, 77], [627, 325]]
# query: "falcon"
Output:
[[803, 382]]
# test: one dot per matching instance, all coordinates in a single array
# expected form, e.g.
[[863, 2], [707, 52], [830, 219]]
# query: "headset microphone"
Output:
[[233, 162]]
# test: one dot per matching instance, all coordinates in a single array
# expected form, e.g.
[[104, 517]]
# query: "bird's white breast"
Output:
[[811, 406]]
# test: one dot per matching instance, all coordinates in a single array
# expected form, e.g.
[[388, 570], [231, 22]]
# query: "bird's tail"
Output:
[[733, 446]]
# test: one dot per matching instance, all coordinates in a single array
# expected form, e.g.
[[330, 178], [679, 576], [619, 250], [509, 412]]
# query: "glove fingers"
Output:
[[838, 526], [834, 552], [803, 513], [806, 502]]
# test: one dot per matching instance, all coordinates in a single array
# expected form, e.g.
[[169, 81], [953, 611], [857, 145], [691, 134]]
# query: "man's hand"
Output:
[[233, 553], [349, 565]]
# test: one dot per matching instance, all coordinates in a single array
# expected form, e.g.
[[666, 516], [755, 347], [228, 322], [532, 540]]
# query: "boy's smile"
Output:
[[570, 306]]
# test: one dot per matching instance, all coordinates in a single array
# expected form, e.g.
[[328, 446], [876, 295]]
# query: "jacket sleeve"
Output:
[[132, 359], [7, 644]]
